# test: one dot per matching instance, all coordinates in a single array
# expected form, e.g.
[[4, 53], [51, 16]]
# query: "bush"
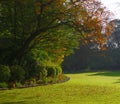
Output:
[[51, 71], [43, 73], [17, 73], [31, 67], [32, 81], [18, 84], [3, 85], [4, 73], [58, 70]]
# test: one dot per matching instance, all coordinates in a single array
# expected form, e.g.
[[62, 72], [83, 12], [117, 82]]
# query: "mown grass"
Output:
[[84, 88]]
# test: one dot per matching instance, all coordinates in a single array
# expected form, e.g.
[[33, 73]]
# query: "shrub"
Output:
[[51, 71], [18, 84], [3, 85], [45, 80], [4, 73], [17, 73], [43, 73], [58, 70], [32, 81], [31, 67]]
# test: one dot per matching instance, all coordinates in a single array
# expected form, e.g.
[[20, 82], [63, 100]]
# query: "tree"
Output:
[[27, 24], [114, 39], [113, 44]]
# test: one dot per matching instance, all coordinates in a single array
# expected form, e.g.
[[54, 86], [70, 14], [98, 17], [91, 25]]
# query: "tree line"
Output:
[[89, 59], [36, 35]]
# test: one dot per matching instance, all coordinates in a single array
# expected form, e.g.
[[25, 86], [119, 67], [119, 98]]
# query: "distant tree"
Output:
[[113, 45], [94, 58], [114, 39]]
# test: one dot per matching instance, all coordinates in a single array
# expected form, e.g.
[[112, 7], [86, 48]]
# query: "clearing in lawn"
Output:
[[82, 88]]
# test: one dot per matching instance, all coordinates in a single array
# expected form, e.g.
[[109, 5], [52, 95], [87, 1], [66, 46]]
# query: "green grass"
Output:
[[84, 88]]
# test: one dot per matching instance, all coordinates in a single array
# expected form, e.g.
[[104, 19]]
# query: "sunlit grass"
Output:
[[84, 88]]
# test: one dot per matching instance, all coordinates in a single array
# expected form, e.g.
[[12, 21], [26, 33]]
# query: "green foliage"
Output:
[[43, 73], [17, 73], [3, 85], [58, 70], [35, 35], [49, 26], [21, 26], [45, 80], [18, 84], [51, 71], [40, 55], [32, 81], [38, 64], [4, 73], [31, 66]]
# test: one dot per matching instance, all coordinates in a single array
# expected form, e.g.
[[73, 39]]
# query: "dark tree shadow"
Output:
[[107, 73]]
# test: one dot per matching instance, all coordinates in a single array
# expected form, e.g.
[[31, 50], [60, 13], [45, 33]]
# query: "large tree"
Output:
[[51, 25]]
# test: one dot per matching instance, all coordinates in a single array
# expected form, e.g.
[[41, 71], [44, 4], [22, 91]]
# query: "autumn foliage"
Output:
[[61, 24], [94, 22], [41, 31]]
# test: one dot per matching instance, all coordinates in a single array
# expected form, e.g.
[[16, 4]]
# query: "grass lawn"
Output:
[[83, 88]]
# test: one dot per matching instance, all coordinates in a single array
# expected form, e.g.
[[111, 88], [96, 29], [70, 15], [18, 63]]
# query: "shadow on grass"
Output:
[[107, 73], [117, 82]]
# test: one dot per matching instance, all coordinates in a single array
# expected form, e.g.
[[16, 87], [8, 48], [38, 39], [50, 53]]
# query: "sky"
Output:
[[113, 6]]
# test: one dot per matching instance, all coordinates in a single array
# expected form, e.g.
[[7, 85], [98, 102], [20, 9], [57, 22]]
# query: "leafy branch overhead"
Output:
[[51, 25]]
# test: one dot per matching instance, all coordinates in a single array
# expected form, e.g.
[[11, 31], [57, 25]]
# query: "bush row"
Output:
[[12, 76], [14, 73]]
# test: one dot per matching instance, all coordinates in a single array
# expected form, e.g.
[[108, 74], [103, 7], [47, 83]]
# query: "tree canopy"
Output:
[[51, 25], [35, 35]]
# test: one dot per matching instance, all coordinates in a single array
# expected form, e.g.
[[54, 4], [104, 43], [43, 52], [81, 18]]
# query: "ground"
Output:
[[82, 88]]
